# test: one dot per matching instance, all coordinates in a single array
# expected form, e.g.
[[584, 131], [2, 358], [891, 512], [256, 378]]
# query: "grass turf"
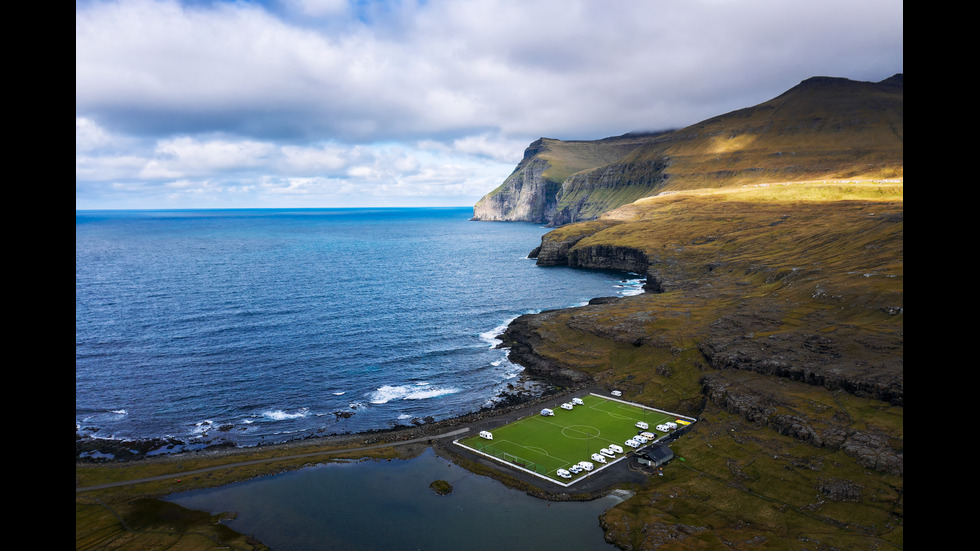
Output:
[[543, 445]]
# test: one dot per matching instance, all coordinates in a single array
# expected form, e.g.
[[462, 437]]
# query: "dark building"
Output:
[[656, 455]]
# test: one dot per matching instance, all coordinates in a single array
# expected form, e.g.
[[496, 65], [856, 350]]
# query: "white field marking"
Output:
[[579, 478], [676, 415], [521, 446]]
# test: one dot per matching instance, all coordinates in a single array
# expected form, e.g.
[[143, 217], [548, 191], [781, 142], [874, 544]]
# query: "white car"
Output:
[[616, 393], [642, 425], [575, 469], [632, 443], [615, 448], [598, 458], [566, 405], [564, 474], [607, 452], [585, 465]]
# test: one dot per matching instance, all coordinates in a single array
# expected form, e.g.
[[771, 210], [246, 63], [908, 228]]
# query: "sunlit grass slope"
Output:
[[781, 326]]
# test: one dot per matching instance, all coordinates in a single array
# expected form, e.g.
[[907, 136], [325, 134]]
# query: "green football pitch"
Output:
[[543, 444]]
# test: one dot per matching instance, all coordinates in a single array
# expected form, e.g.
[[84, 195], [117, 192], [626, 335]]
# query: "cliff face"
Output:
[[525, 196], [531, 192]]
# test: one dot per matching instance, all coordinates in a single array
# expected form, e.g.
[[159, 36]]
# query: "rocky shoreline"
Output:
[[100, 450]]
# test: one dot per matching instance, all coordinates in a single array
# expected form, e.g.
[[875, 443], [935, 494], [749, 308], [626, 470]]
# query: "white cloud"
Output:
[[303, 94]]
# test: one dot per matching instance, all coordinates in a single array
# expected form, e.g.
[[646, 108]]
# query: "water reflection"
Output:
[[387, 505]]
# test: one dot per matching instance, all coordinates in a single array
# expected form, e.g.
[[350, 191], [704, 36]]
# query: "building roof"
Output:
[[659, 452]]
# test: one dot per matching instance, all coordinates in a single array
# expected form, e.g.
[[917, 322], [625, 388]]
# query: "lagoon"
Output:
[[388, 505]]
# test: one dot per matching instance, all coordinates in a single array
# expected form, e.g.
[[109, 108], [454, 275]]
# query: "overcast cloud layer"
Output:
[[333, 103]]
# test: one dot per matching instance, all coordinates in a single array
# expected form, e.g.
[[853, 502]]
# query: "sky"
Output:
[[406, 103]]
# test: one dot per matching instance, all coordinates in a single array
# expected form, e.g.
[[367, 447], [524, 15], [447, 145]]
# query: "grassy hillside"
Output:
[[823, 128], [781, 326]]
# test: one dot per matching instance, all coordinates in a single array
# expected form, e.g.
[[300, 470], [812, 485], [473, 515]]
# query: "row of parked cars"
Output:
[[583, 466], [637, 441]]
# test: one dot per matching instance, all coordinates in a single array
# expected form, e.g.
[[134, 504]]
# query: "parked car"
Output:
[[598, 458], [632, 443], [575, 469], [615, 448], [642, 425], [607, 452], [585, 465], [564, 474]]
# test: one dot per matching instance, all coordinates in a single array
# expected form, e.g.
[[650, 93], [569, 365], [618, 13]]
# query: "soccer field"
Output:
[[544, 444]]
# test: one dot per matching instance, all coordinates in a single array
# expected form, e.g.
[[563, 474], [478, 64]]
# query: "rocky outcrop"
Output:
[[608, 257], [808, 358], [870, 447], [522, 338], [530, 193], [525, 196]]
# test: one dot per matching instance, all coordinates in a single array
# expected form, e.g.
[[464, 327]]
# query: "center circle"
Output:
[[580, 432]]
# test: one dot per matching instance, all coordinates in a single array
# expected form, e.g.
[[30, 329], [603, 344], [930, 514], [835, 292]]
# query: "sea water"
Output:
[[387, 505], [261, 326]]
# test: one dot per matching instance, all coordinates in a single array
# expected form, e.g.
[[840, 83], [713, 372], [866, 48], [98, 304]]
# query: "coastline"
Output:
[[410, 441]]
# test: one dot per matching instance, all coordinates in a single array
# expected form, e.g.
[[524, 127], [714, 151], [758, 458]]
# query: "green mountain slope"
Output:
[[823, 128]]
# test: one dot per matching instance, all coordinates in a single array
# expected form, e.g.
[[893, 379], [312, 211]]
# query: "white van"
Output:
[[648, 435], [642, 425], [585, 465], [566, 405], [578, 401], [564, 474], [607, 452], [670, 425], [663, 428], [598, 458], [617, 393], [632, 443], [546, 412], [486, 434], [615, 448], [575, 469]]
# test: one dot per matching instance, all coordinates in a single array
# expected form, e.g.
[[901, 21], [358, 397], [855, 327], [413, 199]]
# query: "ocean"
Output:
[[243, 327]]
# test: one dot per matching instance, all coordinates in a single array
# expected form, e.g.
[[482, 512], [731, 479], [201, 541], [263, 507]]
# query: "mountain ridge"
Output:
[[824, 127]]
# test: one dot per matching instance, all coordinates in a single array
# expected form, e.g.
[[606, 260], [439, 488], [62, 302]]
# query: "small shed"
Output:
[[656, 455]]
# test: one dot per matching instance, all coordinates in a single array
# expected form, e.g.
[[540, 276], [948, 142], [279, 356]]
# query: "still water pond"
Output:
[[387, 505]]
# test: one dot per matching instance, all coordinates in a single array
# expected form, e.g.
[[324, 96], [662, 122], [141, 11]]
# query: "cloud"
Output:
[[302, 94]]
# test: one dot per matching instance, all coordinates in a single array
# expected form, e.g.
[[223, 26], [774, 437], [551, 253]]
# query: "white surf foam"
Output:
[[280, 415], [418, 391]]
